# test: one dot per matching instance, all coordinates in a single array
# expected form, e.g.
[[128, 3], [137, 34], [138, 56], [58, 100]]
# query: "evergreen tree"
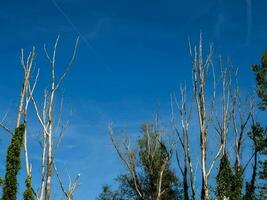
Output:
[[262, 174], [261, 78], [13, 164], [263, 177], [258, 137]]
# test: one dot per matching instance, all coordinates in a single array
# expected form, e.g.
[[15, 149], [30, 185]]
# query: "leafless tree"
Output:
[[200, 69], [72, 186], [242, 112], [47, 121], [185, 119], [24, 99], [224, 120]]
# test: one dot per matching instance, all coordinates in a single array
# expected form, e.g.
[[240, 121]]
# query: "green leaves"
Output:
[[13, 164], [28, 194], [261, 78], [224, 178]]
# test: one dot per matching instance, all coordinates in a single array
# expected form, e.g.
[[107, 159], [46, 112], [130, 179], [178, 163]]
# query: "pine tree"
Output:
[[261, 78], [258, 137], [262, 174], [13, 164]]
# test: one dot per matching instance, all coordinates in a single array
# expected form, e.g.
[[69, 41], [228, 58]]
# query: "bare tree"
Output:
[[185, 119], [72, 186], [47, 121], [223, 122], [201, 68], [242, 112], [24, 99]]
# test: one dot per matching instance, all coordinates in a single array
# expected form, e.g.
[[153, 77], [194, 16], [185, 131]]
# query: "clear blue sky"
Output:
[[132, 55]]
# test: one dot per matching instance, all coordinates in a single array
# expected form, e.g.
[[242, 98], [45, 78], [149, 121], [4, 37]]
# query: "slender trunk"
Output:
[[205, 189], [185, 184], [43, 167], [254, 174], [49, 153]]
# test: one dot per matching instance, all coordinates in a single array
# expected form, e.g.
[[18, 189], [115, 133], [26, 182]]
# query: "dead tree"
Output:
[[72, 186], [200, 70], [223, 122], [185, 119], [242, 112], [47, 121], [24, 99]]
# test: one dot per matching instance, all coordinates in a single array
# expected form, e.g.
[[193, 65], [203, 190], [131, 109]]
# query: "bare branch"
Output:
[[69, 65], [129, 162]]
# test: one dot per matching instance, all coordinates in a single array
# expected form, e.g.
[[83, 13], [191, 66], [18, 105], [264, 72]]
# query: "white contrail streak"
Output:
[[81, 35]]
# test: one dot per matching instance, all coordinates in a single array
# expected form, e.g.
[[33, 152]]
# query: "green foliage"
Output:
[[13, 164], [237, 184], [258, 136], [262, 182], [151, 153], [229, 181], [107, 194], [151, 164], [262, 185], [28, 194], [224, 179], [261, 78]]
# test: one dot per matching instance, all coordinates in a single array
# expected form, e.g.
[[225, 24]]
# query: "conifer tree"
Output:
[[261, 78], [257, 135]]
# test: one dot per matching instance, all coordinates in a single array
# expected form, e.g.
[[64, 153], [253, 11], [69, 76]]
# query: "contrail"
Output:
[[81, 35]]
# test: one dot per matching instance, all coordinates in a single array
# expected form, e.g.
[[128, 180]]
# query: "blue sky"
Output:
[[132, 55]]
